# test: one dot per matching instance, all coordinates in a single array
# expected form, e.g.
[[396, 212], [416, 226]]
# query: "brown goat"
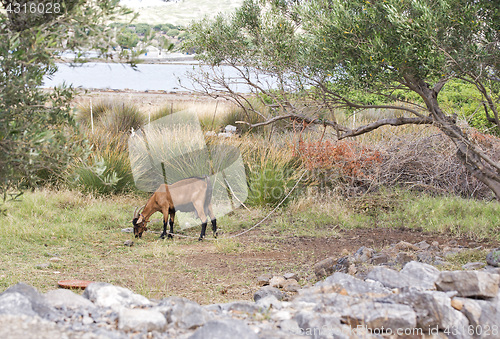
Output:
[[187, 195]]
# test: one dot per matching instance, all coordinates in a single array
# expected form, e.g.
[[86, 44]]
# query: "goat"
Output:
[[187, 195]]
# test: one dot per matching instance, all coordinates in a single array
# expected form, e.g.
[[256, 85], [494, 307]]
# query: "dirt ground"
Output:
[[147, 102], [200, 271]]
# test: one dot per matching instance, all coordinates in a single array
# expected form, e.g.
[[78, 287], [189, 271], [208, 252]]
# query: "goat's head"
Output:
[[139, 222]]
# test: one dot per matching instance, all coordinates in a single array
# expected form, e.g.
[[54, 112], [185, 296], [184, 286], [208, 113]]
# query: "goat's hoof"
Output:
[[162, 236], [216, 234], [200, 238], [170, 236]]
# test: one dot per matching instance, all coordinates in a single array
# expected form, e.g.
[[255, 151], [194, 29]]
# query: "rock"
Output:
[[291, 285], [55, 259], [379, 259], [38, 303], [62, 298], [288, 276], [405, 246], [493, 258], [141, 320], [22, 326], [423, 245], [426, 274], [128, 243], [114, 297], [457, 304], [473, 266], [269, 290], [128, 230], [480, 313], [353, 286], [474, 284], [403, 258], [363, 254], [432, 308], [268, 302], [277, 281], [224, 329], [393, 279], [324, 268], [247, 307], [376, 315], [183, 313], [315, 324], [15, 304], [263, 280]]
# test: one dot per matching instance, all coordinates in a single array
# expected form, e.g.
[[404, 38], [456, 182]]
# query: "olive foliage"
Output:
[[310, 61]]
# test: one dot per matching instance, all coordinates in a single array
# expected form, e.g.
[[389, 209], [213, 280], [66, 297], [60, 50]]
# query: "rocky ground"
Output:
[[363, 295]]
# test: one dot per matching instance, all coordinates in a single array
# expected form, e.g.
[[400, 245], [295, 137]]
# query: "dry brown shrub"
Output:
[[430, 164]]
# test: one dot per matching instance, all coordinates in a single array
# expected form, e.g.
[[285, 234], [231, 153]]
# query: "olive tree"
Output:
[[34, 146], [327, 52]]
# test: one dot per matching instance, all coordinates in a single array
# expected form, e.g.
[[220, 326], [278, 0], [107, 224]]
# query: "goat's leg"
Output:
[[164, 233], [214, 221], [201, 213], [171, 223]]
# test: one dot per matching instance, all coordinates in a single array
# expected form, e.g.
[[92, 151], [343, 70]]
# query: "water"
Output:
[[160, 77]]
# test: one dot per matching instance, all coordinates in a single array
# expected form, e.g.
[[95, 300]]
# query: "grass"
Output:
[[84, 232]]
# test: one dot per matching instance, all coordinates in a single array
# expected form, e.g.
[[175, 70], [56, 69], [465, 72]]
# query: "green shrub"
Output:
[[104, 172]]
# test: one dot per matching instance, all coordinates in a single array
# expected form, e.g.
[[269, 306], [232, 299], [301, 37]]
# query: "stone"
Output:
[[291, 285], [363, 254], [405, 246], [268, 302], [393, 279], [224, 329], [424, 273], [353, 286], [457, 304], [432, 308], [474, 284], [423, 245], [493, 258], [263, 280], [62, 298], [403, 258], [375, 315], [128, 243], [317, 324], [15, 304], [380, 259], [244, 306], [288, 276], [277, 281], [481, 313], [183, 313], [38, 303], [476, 265], [114, 297], [141, 320], [128, 230], [269, 290], [324, 268]]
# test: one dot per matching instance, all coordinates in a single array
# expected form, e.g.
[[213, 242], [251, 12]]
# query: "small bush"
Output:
[[347, 163], [104, 172]]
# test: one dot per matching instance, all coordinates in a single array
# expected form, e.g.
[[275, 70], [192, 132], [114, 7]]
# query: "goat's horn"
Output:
[[137, 211]]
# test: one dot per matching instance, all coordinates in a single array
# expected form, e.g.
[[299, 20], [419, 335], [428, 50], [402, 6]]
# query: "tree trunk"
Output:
[[472, 160]]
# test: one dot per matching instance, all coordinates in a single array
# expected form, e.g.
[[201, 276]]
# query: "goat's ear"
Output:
[[134, 221]]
